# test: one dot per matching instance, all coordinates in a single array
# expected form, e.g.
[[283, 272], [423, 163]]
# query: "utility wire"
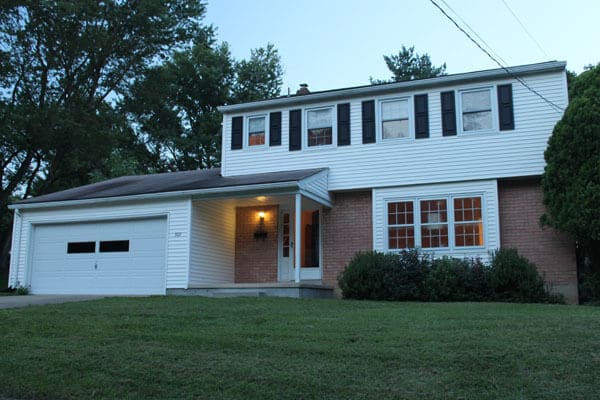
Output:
[[525, 29], [556, 107], [474, 32]]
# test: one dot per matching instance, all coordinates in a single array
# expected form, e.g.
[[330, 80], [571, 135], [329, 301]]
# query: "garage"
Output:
[[103, 257]]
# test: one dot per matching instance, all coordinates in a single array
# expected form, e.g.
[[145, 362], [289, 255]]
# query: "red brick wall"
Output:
[[347, 229], [552, 252], [255, 259]]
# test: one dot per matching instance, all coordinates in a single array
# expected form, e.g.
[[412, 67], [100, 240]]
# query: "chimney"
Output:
[[303, 90]]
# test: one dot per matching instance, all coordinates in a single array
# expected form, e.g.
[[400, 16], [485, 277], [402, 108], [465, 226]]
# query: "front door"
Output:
[[286, 246]]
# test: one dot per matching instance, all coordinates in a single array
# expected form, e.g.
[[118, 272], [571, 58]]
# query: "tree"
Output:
[[408, 65], [260, 77], [571, 179], [62, 64]]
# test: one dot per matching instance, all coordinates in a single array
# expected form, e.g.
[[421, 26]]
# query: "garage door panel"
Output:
[[140, 270]]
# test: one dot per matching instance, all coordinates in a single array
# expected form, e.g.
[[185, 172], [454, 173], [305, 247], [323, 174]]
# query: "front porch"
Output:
[[259, 243]]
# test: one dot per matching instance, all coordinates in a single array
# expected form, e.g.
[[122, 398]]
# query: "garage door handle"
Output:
[[95, 265]]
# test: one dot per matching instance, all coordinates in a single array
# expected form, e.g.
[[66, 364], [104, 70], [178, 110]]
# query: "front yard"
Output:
[[247, 348]]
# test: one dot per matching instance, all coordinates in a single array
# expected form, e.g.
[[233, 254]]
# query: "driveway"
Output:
[[38, 300]]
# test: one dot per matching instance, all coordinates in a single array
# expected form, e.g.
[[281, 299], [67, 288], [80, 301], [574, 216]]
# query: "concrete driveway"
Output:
[[38, 300]]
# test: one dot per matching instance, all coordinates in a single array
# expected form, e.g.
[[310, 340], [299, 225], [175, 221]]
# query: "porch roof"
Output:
[[197, 182]]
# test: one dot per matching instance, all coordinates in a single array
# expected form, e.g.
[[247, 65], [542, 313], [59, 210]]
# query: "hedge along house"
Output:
[[450, 165]]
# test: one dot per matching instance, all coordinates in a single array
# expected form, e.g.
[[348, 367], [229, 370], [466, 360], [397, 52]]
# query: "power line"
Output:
[[525, 29], [474, 32], [519, 79]]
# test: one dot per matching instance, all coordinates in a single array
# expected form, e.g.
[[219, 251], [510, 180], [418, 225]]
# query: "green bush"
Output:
[[454, 279], [385, 276]]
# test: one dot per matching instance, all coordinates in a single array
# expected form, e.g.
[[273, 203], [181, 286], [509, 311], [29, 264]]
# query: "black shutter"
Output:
[[448, 114], [343, 120], [237, 130], [368, 121], [421, 116], [275, 129], [505, 107], [295, 130]]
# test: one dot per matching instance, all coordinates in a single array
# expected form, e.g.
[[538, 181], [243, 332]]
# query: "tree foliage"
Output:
[[408, 65]]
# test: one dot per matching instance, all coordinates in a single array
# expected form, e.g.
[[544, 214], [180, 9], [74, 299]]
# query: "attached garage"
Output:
[[104, 257]]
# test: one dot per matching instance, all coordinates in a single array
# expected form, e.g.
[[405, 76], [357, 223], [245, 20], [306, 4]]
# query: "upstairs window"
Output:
[[476, 110], [394, 119], [256, 131], [320, 127]]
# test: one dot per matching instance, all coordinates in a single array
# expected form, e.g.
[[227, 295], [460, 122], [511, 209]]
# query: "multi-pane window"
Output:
[[468, 221], [401, 225], [320, 126], [256, 131], [434, 223], [394, 119], [476, 110], [444, 222]]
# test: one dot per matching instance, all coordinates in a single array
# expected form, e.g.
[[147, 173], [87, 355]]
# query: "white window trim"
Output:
[[305, 112], [494, 110], [450, 221], [379, 120], [247, 132]]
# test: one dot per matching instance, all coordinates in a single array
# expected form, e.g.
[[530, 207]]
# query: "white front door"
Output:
[[286, 246]]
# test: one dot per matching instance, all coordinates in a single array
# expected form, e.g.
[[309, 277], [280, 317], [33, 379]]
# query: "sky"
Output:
[[332, 44]]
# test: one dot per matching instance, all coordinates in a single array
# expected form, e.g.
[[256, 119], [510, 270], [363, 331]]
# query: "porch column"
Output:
[[298, 237]]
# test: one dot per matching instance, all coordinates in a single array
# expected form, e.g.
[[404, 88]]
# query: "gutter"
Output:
[[373, 90]]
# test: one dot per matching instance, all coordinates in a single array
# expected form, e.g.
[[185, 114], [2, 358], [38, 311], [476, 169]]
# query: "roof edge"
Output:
[[367, 90]]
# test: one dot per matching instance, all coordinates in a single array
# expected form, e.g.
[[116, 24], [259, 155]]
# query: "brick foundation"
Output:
[[255, 259], [553, 253], [347, 229]]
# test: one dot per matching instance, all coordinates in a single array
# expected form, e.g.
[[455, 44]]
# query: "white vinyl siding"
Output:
[[487, 190], [212, 248], [177, 213], [474, 156]]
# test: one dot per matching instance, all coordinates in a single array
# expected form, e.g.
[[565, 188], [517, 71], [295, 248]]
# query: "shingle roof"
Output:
[[169, 182]]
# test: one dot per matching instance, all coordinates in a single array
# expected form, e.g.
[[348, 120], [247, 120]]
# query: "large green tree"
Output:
[[571, 180], [62, 65], [408, 65]]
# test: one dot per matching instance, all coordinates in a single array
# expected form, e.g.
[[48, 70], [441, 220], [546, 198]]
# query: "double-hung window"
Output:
[[476, 110], [320, 126], [394, 119], [435, 223], [256, 131]]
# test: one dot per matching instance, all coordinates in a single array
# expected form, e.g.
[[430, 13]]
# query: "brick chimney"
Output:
[[303, 90]]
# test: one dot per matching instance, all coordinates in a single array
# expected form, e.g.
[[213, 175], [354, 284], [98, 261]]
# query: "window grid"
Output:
[[319, 127], [256, 131], [401, 229], [434, 223], [468, 222], [476, 115], [398, 125]]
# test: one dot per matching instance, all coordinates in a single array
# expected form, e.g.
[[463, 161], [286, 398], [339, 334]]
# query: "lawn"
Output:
[[264, 348]]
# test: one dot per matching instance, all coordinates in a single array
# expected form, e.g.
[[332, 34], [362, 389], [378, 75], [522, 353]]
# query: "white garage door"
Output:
[[111, 257]]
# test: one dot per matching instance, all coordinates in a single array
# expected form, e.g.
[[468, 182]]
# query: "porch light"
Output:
[[260, 232]]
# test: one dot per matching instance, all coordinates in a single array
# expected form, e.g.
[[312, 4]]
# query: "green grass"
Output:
[[263, 348]]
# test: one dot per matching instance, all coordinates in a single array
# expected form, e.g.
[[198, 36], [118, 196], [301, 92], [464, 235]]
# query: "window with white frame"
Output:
[[476, 110], [256, 131], [436, 223], [394, 119], [320, 126]]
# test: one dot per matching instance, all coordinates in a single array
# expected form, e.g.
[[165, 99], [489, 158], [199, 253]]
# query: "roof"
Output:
[[184, 181], [379, 89]]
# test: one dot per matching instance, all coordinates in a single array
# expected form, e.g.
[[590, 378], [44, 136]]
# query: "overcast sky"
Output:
[[332, 44]]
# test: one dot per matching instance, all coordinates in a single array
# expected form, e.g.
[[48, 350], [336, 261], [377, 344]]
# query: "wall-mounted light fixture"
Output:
[[260, 232]]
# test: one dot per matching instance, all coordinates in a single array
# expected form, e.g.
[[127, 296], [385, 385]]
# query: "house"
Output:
[[450, 164]]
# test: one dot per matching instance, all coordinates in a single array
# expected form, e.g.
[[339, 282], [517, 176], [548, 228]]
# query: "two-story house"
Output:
[[450, 165]]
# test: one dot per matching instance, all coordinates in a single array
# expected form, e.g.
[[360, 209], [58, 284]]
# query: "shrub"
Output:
[[385, 276], [454, 279], [515, 278]]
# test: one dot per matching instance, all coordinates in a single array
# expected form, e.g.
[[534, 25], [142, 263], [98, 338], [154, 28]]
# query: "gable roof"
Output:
[[380, 89], [184, 181]]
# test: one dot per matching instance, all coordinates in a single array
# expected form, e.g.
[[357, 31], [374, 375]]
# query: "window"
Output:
[[81, 247], [476, 110], [401, 225], [114, 246], [256, 131], [434, 223], [445, 222], [320, 127], [468, 222], [394, 119]]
